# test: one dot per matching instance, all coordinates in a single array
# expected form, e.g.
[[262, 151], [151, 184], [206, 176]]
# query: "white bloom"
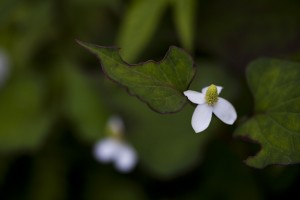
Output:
[[118, 152], [114, 149], [208, 103], [4, 67]]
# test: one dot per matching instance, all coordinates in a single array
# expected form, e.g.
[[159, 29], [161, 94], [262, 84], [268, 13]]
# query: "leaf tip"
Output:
[[95, 49], [90, 47]]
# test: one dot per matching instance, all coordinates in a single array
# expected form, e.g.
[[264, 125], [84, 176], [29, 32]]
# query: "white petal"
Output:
[[219, 88], [195, 97], [126, 158], [201, 117], [106, 149], [225, 111]]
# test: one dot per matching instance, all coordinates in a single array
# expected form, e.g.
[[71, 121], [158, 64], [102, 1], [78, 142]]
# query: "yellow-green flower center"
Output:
[[211, 96]]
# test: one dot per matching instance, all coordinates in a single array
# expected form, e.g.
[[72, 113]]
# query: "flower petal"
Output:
[[219, 88], [126, 158], [201, 117], [106, 149], [225, 111], [195, 97]]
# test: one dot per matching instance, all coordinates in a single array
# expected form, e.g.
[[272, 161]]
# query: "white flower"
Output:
[[114, 149], [118, 152], [208, 103], [4, 67]]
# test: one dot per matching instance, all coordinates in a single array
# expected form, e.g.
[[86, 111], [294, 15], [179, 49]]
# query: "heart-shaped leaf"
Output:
[[159, 84], [275, 85]]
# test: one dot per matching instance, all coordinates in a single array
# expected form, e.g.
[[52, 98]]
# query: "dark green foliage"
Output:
[[275, 85], [159, 84]]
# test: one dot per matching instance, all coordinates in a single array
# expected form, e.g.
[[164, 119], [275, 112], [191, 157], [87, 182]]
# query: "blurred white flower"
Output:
[[208, 103], [118, 152], [114, 149], [4, 67]]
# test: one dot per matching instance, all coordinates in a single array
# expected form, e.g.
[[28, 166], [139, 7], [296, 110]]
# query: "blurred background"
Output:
[[55, 100]]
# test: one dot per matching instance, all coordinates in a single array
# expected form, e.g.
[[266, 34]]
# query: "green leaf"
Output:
[[159, 84], [138, 26], [275, 85], [24, 120], [184, 14]]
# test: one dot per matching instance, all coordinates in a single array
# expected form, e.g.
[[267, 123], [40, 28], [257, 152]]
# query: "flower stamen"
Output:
[[211, 96]]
